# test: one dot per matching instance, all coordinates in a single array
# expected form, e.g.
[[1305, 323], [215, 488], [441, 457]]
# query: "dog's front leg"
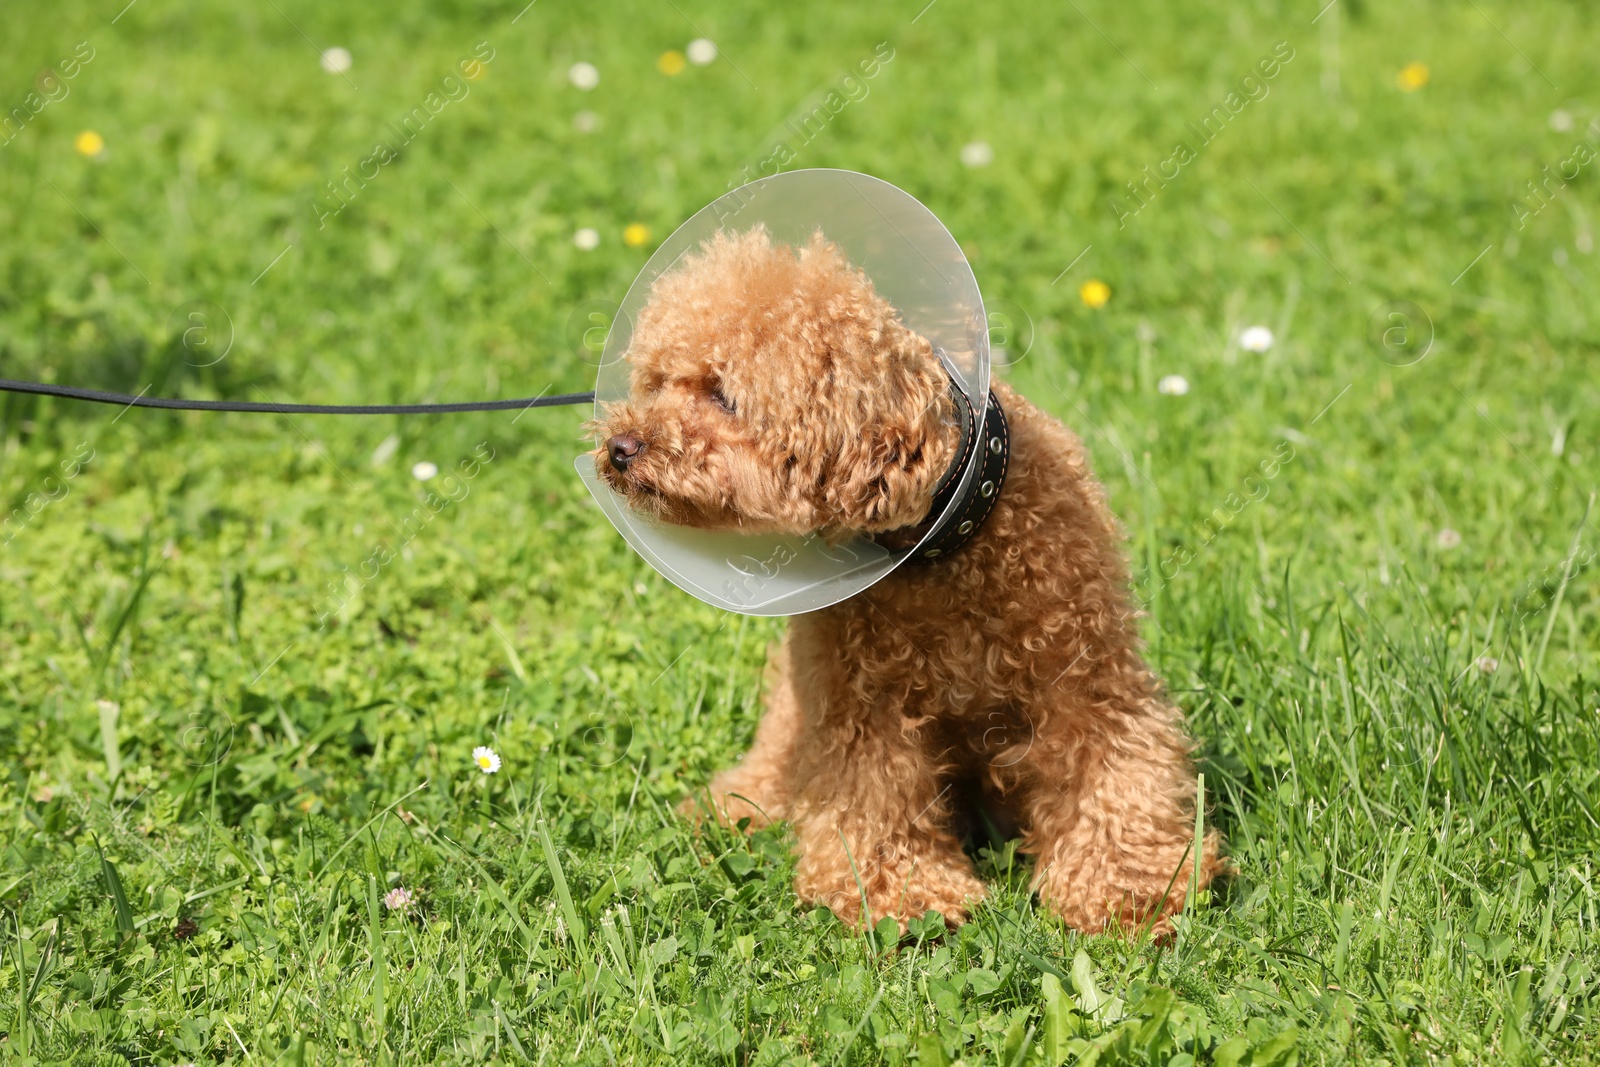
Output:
[[1110, 815], [872, 820]]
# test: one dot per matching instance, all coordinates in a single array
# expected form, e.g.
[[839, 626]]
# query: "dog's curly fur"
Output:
[[773, 390]]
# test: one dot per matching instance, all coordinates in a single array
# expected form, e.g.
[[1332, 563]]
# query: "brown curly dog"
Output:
[[773, 390]]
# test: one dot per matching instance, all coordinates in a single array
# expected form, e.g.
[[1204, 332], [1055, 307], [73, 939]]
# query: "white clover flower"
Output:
[[1486, 664], [336, 60], [587, 239], [977, 154], [398, 899], [423, 470], [1173, 385], [583, 76], [1256, 339], [1448, 538], [701, 51], [487, 759]]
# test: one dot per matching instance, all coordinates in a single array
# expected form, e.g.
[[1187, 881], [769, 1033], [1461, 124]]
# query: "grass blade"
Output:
[[110, 711], [119, 899], [1197, 850], [563, 894], [1561, 590], [129, 609], [375, 927]]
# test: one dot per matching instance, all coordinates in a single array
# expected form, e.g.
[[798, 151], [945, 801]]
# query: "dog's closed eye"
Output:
[[721, 399]]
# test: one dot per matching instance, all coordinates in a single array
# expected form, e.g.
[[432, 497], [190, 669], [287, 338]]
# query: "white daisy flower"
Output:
[[977, 154], [336, 60], [424, 470], [701, 51], [1448, 538], [1256, 339], [398, 899], [487, 759], [1173, 385], [587, 239], [583, 76]]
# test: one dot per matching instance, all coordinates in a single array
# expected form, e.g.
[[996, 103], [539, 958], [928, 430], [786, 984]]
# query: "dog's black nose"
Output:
[[622, 449]]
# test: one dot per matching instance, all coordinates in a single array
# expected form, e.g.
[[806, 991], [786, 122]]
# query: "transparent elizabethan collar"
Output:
[[913, 263]]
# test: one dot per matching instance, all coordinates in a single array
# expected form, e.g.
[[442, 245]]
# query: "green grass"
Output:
[[210, 782]]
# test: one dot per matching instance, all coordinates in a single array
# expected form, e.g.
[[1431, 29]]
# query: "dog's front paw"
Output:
[[1137, 893], [901, 895]]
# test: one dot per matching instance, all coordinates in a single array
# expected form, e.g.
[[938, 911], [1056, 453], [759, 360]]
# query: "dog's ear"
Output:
[[895, 445]]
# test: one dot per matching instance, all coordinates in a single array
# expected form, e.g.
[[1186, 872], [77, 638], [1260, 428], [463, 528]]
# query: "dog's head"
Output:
[[773, 391]]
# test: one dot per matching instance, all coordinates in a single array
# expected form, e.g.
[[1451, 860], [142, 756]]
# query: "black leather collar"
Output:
[[993, 441]]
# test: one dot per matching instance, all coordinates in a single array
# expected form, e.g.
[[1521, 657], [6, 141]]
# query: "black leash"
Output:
[[99, 396]]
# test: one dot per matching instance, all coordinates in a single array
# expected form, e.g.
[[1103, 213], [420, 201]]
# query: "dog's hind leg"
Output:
[[758, 786]]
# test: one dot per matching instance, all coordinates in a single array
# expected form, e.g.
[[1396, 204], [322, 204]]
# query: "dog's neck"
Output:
[[963, 501]]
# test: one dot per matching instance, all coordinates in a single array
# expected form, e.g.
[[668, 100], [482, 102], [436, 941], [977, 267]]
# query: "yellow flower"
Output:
[[1412, 77], [1094, 293], [636, 234], [670, 63], [472, 70], [89, 143]]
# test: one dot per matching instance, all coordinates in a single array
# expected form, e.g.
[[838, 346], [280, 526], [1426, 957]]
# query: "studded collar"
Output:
[[962, 521]]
